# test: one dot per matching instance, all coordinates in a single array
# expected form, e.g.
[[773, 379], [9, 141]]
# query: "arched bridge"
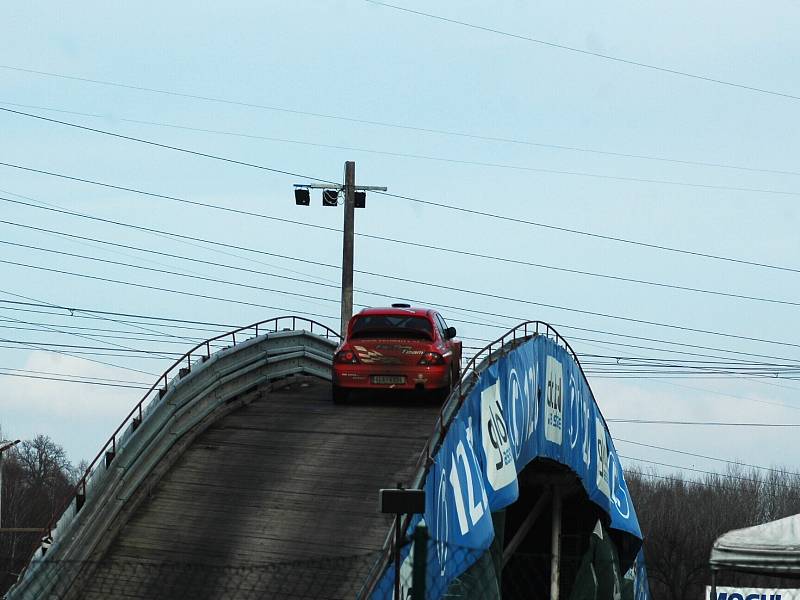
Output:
[[237, 477]]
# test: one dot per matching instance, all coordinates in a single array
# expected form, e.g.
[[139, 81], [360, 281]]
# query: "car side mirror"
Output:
[[450, 333]]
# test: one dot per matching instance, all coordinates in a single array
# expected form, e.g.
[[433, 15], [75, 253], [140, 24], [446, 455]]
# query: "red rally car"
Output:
[[399, 348]]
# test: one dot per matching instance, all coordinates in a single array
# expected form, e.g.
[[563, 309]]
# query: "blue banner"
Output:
[[533, 402]]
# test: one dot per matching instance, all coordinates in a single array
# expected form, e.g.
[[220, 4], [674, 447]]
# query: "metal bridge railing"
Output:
[[479, 361], [183, 366]]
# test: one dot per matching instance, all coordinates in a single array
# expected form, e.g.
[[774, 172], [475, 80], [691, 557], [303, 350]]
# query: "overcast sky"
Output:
[[309, 84]]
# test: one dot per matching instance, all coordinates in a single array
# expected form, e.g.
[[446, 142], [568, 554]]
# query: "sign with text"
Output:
[[739, 593], [534, 402]]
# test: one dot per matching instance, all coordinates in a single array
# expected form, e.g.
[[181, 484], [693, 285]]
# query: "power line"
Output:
[[88, 377], [232, 267], [635, 472], [77, 354], [165, 146], [174, 291], [162, 289], [70, 378], [659, 341], [166, 337], [704, 423], [648, 361], [80, 335], [712, 473], [174, 273], [65, 380], [610, 238], [409, 198], [738, 353], [161, 232], [156, 353], [674, 373], [542, 304], [393, 240], [96, 348], [694, 376], [600, 55], [217, 264], [714, 458], [83, 353], [187, 240], [429, 130], [725, 394], [146, 329], [676, 368], [588, 365], [366, 272], [175, 322], [497, 296], [717, 393], [37, 327], [445, 159], [73, 309]]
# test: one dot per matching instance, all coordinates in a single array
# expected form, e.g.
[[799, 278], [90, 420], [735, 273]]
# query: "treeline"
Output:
[[36, 480], [681, 517]]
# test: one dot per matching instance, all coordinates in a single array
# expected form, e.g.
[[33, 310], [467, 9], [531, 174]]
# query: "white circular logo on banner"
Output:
[[520, 412], [500, 470], [442, 523]]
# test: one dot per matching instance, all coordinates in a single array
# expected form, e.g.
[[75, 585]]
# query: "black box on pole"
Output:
[[403, 502]]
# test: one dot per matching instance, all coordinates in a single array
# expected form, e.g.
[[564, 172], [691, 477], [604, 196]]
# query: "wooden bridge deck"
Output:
[[276, 499]]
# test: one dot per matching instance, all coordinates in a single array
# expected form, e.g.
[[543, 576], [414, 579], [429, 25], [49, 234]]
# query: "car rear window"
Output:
[[392, 326]]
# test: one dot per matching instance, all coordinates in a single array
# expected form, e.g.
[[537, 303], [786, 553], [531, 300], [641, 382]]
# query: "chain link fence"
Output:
[[339, 577], [524, 576], [587, 571]]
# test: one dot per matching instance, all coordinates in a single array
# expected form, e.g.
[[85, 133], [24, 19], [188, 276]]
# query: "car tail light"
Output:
[[431, 358], [346, 357]]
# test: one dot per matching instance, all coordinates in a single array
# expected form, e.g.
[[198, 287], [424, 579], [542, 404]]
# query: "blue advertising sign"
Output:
[[533, 402]]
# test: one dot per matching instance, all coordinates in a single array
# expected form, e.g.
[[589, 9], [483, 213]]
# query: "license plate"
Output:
[[388, 379]]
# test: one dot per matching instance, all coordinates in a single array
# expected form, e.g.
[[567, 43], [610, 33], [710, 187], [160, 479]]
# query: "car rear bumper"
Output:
[[363, 377]]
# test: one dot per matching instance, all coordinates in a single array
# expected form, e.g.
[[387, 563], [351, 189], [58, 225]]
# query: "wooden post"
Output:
[[348, 232], [420, 566], [525, 527], [555, 545], [397, 556]]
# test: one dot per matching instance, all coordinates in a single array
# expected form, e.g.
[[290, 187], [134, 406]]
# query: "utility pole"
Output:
[[348, 241], [4, 445], [354, 197]]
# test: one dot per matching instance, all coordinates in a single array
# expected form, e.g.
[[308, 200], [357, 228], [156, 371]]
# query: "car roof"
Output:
[[397, 310]]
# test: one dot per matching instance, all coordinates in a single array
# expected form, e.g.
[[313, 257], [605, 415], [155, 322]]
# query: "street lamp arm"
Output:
[[336, 186], [320, 186]]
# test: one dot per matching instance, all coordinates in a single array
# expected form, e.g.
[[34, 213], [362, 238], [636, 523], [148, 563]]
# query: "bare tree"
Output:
[[43, 460], [680, 519], [37, 480]]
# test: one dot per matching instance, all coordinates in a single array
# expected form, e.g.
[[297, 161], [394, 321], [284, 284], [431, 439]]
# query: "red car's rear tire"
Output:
[[339, 394], [439, 396]]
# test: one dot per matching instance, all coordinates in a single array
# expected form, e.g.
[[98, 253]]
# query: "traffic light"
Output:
[[361, 199], [302, 197], [330, 197]]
